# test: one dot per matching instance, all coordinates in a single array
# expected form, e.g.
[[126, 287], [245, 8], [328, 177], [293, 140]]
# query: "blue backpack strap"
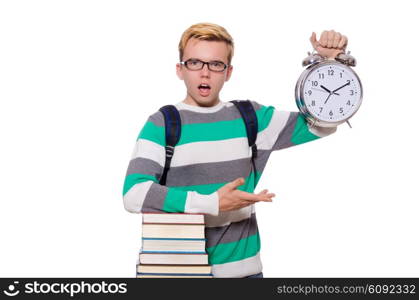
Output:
[[249, 117], [173, 125]]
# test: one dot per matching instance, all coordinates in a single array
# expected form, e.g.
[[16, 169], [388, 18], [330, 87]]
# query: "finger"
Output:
[[314, 41], [323, 39], [330, 37], [263, 192], [254, 197], [245, 195], [343, 42], [236, 183], [249, 202], [336, 39], [264, 197], [265, 200], [270, 195], [254, 202], [268, 198]]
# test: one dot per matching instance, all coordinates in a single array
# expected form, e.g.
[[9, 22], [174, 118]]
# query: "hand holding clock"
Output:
[[328, 72], [331, 43]]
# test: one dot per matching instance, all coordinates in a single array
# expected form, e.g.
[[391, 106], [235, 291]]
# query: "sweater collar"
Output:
[[200, 109]]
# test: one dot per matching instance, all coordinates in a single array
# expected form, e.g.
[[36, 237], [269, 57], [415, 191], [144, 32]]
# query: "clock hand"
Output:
[[330, 93], [341, 87], [325, 90], [327, 98], [322, 86]]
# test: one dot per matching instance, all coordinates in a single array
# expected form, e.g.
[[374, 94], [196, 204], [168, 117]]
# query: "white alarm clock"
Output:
[[328, 92]]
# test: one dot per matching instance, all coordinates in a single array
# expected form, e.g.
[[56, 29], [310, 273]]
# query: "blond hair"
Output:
[[207, 32]]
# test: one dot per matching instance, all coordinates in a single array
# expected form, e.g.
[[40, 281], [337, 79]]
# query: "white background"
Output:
[[78, 79]]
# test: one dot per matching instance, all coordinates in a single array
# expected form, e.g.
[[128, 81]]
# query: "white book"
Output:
[[173, 269], [173, 218], [173, 231], [173, 244], [173, 276], [173, 259]]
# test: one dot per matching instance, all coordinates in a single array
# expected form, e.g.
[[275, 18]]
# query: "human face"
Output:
[[205, 51]]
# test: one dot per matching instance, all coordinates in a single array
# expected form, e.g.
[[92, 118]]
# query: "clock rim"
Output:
[[299, 95]]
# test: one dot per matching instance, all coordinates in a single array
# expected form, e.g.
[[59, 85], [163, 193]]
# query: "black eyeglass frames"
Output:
[[196, 64]]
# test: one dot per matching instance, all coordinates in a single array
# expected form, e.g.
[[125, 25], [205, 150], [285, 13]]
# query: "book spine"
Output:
[[172, 223], [177, 274], [175, 265], [174, 239], [170, 213], [173, 252]]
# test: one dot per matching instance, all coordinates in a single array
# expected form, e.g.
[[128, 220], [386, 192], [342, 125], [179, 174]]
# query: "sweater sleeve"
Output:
[[283, 129], [142, 191]]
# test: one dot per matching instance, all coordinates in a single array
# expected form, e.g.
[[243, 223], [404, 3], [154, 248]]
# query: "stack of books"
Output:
[[173, 246]]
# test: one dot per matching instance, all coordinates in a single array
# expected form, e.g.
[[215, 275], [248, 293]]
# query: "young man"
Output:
[[211, 170]]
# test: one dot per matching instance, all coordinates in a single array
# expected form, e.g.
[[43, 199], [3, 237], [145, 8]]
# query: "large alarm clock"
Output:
[[328, 92]]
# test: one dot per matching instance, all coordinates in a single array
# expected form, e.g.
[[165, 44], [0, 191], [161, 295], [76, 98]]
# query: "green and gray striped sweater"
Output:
[[213, 150]]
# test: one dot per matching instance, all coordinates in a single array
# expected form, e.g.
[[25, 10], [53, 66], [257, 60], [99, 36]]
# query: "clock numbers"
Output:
[[331, 92]]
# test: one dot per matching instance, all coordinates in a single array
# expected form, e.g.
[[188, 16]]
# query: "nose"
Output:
[[205, 72]]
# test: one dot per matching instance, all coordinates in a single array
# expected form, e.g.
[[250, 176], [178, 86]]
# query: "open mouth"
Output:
[[204, 89], [204, 86]]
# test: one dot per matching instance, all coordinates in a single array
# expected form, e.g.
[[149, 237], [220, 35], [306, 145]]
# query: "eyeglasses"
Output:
[[196, 64]]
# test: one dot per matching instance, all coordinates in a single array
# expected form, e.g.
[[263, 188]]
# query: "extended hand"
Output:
[[331, 43], [230, 198]]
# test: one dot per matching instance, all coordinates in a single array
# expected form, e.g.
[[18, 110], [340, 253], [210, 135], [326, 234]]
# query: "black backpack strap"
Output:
[[249, 117], [173, 125]]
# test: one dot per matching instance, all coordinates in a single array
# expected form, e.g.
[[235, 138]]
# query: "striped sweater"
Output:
[[212, 151]]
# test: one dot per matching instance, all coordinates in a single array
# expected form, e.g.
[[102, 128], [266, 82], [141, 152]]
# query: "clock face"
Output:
[[332, 92]]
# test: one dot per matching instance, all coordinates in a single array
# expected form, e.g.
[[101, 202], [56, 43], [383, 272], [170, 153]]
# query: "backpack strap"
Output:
[[173, 125], [249, 117]]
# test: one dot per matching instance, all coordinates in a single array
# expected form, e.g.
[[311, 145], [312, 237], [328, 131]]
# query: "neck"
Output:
[[206, 103]]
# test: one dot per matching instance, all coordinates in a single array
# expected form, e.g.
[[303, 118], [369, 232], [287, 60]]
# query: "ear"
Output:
[[179, 72], [229, 71]]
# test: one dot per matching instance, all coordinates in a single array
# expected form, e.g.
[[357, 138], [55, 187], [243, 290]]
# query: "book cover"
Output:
[[173, 231], [174, 258]]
